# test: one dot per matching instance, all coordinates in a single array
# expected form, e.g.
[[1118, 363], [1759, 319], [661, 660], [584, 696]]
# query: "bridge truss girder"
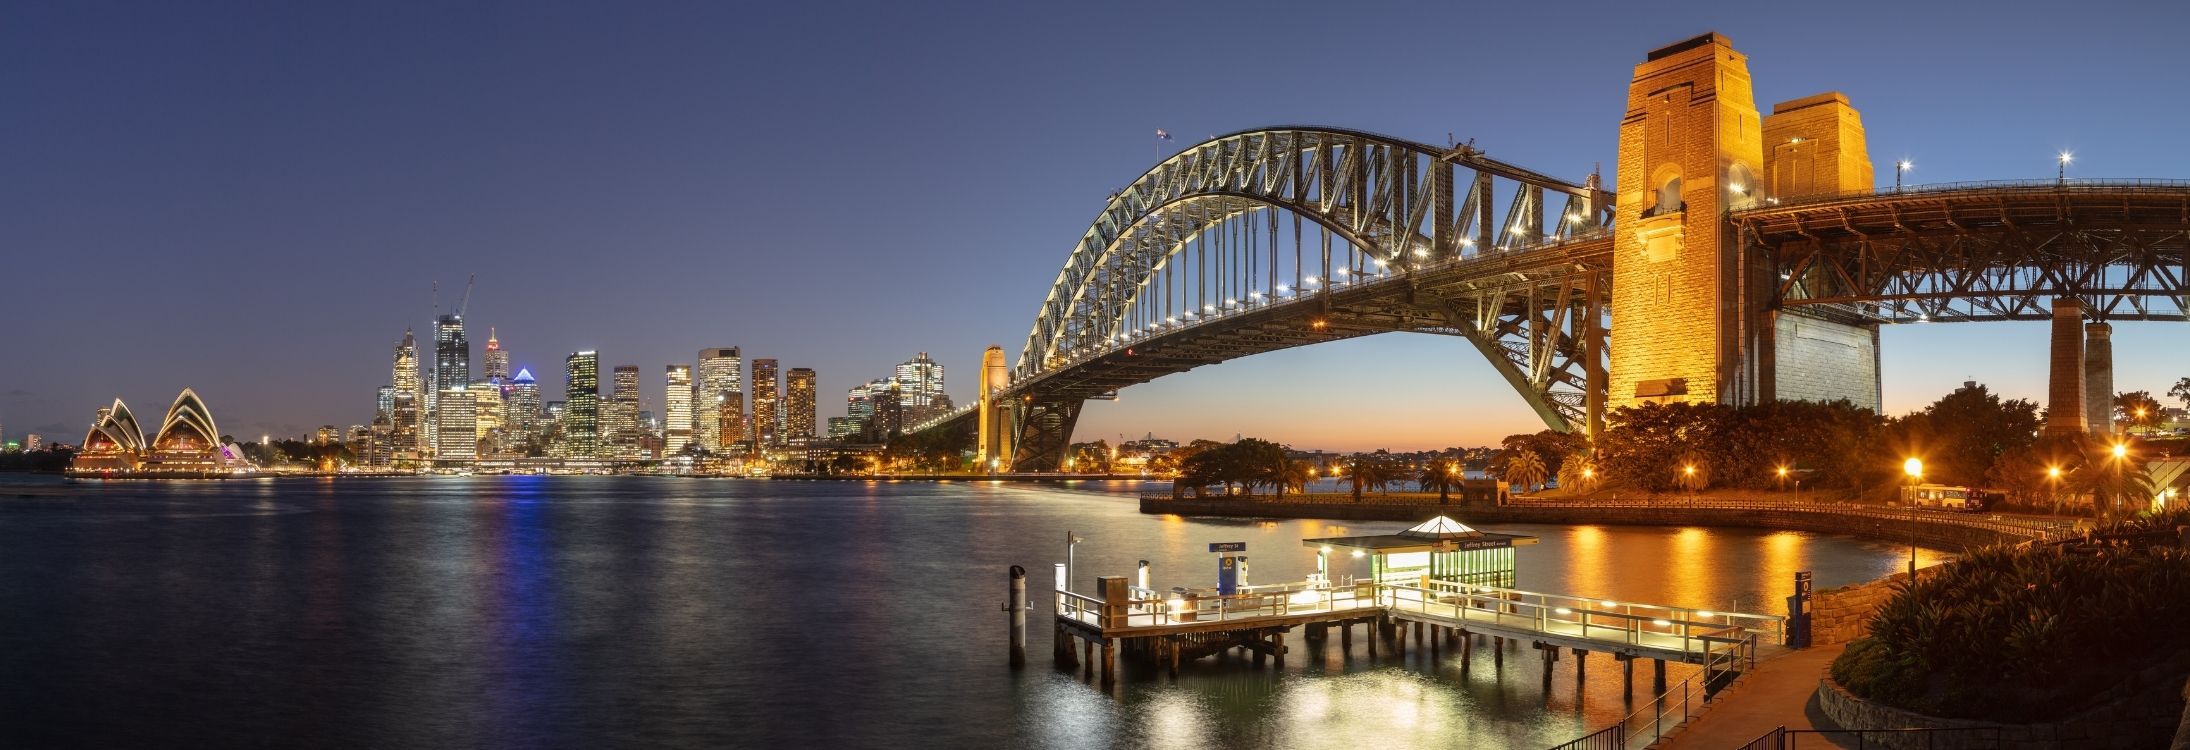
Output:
[[2000, 252]]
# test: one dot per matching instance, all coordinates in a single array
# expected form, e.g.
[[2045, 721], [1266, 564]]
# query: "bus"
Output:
[[1946, 497]]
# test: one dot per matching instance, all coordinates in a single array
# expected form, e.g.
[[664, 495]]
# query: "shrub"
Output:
[[2025, 634]]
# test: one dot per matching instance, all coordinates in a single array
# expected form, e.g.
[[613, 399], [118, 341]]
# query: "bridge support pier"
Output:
[[2065, 413], [2099, 378]]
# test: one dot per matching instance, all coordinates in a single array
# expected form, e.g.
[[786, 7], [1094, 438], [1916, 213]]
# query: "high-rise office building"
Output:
[[720, 379], [620, 416], [859, 405], [582, 405], [405, 403], [34, 442], [381, 449], [521, 405], [456, 435], [921, 380], [677, 409], [798, 404], [487, 411], [767, 430], [889, 411], [730, 423], [451, 366], [497, 360]]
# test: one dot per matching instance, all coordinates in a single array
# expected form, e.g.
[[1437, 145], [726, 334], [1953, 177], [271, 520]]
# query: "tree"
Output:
[[2138, 409], [1550, 446], [1091, 457], [1296, 476], [1578, 474], [1369, 471], [1525, 470], [2181, 391], [1442, 475], [1963, 433]]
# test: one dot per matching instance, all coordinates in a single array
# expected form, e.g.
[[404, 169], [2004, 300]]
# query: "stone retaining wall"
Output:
[[1936, 535], [1844, 614], [2143, 713]]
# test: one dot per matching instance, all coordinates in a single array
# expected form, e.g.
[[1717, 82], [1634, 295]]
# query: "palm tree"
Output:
[[1367, 471], [1296, 475], [1525, 469], [1442, 474], [1578, 473]]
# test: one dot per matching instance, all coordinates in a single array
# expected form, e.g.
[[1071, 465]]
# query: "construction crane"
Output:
[[466, 301]]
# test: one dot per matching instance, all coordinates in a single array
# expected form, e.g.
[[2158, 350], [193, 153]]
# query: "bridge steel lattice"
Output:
[[1193, 264]]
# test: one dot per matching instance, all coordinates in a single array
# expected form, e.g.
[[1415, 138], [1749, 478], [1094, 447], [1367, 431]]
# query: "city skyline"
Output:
[[246, 199]]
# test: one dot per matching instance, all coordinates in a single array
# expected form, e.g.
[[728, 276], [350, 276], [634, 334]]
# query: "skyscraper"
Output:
[[798, 404], [456, 436], [451, 365], [487, 411], [677, 409], [582, 405], [889, 411], [620, 417], [497, 360], [730, 422], [404, 430], [720, 381], [766, 429], [521, 405], [921, 380]]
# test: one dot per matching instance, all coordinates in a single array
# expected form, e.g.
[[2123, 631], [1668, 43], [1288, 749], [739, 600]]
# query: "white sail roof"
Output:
[[1441, 527]]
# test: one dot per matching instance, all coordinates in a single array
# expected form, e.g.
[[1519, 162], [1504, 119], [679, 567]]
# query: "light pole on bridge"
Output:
[[1898, 168], [2066, 157]]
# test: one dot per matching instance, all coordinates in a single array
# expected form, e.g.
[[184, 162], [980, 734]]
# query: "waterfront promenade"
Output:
[[1946, 530]]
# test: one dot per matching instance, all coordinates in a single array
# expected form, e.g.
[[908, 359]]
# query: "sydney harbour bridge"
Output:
[[1741, 257]]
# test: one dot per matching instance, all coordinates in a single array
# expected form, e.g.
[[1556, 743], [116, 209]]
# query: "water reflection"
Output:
[[591, 612]]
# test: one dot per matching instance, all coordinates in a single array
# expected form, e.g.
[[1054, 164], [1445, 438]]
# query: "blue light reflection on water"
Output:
[[633, 611]]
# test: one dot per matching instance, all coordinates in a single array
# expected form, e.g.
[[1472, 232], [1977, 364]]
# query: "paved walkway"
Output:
[[1776, 694]]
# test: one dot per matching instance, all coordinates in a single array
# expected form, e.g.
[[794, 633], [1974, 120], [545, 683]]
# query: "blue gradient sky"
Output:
[[251, 199]]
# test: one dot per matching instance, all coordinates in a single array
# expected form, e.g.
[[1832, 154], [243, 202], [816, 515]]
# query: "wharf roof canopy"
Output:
[[1436, 533], [188, 418]]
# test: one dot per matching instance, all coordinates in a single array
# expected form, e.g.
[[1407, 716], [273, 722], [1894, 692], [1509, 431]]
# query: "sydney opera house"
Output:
[[187, 442]]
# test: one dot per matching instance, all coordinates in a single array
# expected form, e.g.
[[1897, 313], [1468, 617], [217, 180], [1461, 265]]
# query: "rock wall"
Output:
[[1844, 614]]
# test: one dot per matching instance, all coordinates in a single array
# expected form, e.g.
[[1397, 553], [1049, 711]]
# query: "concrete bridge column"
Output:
[[2065, 413], [2099, 378]]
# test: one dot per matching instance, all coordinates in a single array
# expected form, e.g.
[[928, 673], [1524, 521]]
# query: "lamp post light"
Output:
[[2053, 486], [2066, 157], [1914, 467], [1783, 478], [1899, 167]]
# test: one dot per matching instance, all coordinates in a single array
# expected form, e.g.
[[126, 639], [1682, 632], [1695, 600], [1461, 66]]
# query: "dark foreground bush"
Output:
[[2026, 635]]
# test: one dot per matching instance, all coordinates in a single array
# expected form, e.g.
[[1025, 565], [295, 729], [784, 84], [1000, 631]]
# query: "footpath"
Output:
[[1776, 694]]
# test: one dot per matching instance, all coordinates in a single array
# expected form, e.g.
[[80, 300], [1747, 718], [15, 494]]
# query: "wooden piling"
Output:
[[1346, 639], [1581, 668], [1498, 653], [1467, 653], [1549, 654], [1657, 678], [1627, 676], [1015, 605], [1110, 662], [1278, 641], [1089, 644]]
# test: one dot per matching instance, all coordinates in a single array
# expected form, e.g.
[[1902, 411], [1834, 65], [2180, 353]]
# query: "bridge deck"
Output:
[[1638, 630]]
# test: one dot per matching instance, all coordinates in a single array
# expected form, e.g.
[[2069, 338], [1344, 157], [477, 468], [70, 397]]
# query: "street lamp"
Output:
[[1783, 478], [1914, 467], [1899, 167], [2066, 157]]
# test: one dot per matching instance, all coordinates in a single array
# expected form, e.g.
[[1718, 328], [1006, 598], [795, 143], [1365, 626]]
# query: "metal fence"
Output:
[[1981, 186], [1782, 738]]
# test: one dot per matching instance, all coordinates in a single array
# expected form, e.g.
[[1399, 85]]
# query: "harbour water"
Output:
[[661, 612]]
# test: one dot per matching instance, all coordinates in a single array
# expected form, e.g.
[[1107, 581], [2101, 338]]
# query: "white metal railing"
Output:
[[1707, 634]]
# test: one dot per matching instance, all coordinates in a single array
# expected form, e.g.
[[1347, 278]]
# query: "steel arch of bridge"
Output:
[[1384, 195], [1419, 244]]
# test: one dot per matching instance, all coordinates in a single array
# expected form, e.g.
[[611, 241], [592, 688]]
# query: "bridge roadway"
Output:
[[1258, 617]]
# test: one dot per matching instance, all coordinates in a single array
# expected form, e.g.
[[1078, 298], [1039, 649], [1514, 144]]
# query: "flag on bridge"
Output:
[[1163, 135]]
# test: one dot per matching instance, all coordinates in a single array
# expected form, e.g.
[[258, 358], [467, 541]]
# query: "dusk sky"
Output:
[[253, 199]]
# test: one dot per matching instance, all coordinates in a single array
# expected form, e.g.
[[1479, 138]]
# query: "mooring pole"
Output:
[[1016, 606]]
